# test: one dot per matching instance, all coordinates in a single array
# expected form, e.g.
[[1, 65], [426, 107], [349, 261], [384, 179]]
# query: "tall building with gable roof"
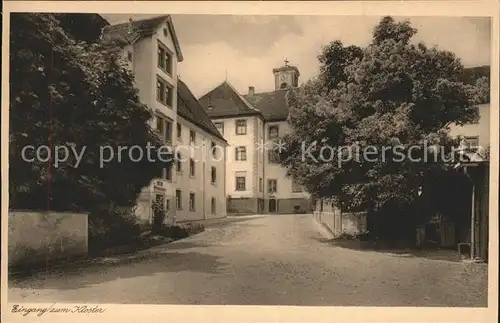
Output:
[[193, 187], [253, 124]]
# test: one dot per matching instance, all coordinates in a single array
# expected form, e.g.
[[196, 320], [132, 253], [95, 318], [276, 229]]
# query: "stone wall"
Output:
[[46, 236], [338, 222]]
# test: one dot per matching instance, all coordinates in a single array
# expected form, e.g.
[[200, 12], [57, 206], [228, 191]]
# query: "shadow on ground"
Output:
[[231, 220], [369, 246], [122, 267]]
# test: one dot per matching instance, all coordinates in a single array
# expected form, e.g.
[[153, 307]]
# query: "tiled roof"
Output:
[[225, 101], [272, 105], [143, 28], [189, 108]]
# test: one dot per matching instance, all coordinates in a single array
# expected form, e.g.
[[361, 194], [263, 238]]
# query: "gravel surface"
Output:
[[267, 260]]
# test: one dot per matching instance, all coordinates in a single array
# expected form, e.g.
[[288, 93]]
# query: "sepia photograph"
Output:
[[266, 160]]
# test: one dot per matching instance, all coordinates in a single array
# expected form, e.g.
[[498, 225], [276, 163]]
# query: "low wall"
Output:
[[354, 223], [338, 223], [46, 236]]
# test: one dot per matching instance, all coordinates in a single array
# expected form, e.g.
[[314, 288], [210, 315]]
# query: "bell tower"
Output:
[[286, 76]]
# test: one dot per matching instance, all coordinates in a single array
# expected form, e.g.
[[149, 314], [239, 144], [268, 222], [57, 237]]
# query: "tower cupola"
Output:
[[286, 76]]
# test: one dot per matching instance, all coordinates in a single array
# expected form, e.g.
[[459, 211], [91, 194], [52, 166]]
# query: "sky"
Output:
[[245, 49]]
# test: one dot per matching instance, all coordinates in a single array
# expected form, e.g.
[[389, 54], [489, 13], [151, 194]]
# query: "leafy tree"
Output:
[[70, 93], [387, 98], [334, 58]]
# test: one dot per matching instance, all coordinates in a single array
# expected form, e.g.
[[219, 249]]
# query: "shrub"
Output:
[[110, 228], [181, 231]]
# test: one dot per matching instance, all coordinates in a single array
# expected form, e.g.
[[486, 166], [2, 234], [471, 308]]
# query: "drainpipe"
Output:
[[203, 179], [473, 217], [473, 225], [224, 181]]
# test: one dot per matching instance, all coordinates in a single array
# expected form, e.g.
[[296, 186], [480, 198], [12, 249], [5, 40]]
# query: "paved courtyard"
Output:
[[267, 260]]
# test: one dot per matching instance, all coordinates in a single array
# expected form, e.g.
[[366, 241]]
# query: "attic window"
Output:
[[165, 32]]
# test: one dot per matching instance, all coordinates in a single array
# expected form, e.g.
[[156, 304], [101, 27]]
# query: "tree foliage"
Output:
[[392, 94], [70, 93]]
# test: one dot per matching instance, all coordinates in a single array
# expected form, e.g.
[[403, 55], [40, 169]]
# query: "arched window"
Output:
[[283, 86]]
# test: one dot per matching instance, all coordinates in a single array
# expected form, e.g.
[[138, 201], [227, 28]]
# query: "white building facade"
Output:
[[253, 124], [193, 187]]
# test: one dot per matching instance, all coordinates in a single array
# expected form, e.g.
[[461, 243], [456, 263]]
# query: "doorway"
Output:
[[273, 206]]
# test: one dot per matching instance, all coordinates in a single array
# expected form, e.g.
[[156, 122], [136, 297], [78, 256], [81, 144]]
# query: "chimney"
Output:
[[130, 25], [251, 90]]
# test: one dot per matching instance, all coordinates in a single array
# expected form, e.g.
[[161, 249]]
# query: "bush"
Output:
[[181, 231], [110, 228]]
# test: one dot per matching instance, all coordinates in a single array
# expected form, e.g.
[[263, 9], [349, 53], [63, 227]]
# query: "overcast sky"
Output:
[[249, 47]]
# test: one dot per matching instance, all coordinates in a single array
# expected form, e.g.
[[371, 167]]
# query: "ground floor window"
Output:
[[191, 202], [178, 199], [213, 205], [240, 183]]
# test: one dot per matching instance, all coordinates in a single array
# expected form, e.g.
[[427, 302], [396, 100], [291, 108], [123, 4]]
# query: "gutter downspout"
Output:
[[203, 180], [473, 217], [224, 200]]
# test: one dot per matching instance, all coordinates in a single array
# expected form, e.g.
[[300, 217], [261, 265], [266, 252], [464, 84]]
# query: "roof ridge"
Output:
[[196, 116], [242, 98], [210, 91], [266, 92], [138, 20]]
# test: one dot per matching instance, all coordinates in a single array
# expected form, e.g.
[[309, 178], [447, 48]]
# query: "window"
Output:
[[296, 187], [168, 95], [178, 163], [167, 208], [241, 153], [179, 131], [161, 54], [260, 185], [191, 202], [214, 175], [191, 167], [168, 131], [192, 137], [273, 156], [212, 205], [164, 92], [241, 127], [160, 125], [471, 142], [213, 149], [240, 181], [272, 186], [129, 56], [164, 59], [273, 131], [220, 127], [168, 172], [178, 199]]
